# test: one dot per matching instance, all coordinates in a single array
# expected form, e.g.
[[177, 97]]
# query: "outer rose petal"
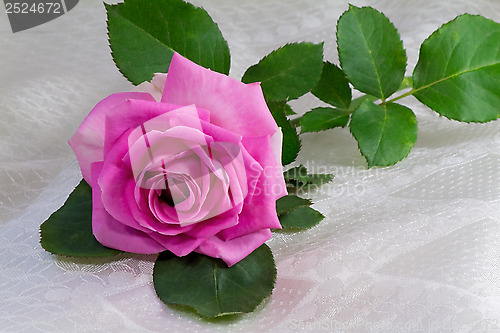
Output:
[[130, 114], [260, 212], [232, 251], [263, 149], [233, 105], [111, 233], [88, 141]]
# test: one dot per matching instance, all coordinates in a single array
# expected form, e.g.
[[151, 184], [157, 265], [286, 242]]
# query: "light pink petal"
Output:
[[233, 105], [88, 141], [165, 148], [111, 233], [155, 87], [159, 81], [162, 122], [234, 250]]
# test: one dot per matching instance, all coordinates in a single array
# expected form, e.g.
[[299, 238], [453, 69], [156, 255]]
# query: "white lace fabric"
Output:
[[409, 248]]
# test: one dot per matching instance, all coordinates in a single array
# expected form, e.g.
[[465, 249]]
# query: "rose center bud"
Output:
[[175, 191], [166, 196]]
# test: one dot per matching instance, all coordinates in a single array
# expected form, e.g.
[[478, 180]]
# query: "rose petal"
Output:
[[180, 245], [258, 214], [111, 233], [261, 149], [233, 105], [88, 141], [259, 210], [133, 113], [232, 251], [155, 87], [214, 225]]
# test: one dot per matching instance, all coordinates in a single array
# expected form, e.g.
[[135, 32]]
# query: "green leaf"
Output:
[[291, 202], [288, 72], [320, 119], [291, 141], [333, 87], [458, 71], [370, 51], [144, 34], [68, 231], [301, 218], [298, 176], [385, 133], [210, 287]]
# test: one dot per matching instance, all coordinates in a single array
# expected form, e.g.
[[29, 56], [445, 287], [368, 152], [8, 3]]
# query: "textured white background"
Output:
[[414, 247]]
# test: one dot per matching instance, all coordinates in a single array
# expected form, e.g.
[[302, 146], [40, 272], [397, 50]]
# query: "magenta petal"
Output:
[[88, 141], [211, 227], [261, 149], [110, 232], [117, 183], [180, 245], [234, 250], [259, 213], [233, 105]]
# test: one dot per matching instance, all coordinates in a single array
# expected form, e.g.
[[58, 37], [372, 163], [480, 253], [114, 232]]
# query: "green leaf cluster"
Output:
[[457, 75], [294, 213]]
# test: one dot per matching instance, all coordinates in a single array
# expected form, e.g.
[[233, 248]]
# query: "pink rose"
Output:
[[191, 163]]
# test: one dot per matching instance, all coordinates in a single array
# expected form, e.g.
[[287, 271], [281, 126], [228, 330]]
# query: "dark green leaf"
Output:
[[144, 34], [301, 218], [333, 87], [210, 287], [385, 133], [289, 111], [299, 176], [370, 51], [291, 202], [319, 179], [68, 231], [291, 141], [320, 119], [458, 71], [288, 72]]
